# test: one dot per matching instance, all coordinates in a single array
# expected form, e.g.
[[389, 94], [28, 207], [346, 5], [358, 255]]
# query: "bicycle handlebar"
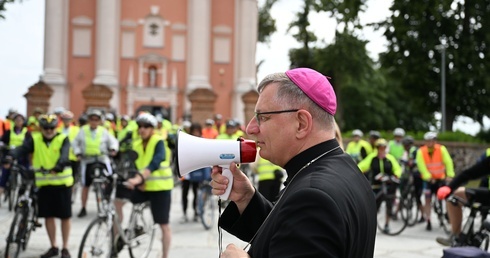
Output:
[[387, 178]]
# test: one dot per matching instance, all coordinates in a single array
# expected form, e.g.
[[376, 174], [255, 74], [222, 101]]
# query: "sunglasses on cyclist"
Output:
[[144, 126], [48, 128]]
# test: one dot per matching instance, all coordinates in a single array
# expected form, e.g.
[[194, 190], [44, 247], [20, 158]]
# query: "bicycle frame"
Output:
[[468, 236]]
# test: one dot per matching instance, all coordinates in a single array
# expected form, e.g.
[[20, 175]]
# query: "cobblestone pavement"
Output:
[[191, 240]]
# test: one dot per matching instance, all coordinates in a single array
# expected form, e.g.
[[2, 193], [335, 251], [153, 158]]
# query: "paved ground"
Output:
[[191, 240]]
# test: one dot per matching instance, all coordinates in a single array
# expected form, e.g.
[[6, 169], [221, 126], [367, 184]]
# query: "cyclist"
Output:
[[93, 140], [373, 137], [231, 132], [395, 146], [270, 178], [209, 132], [436, 167], [455, 213], [49, 150], [377, 164], [155, 181], [358, 148], [13, 138], [71, 131], [32, 121]]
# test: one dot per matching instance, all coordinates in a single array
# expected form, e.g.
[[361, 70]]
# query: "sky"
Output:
[[22, 46]]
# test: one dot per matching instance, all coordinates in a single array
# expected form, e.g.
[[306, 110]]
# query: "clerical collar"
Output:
[[300, 160]]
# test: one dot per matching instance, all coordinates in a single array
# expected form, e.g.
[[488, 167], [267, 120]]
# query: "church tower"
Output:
[[179, 58]]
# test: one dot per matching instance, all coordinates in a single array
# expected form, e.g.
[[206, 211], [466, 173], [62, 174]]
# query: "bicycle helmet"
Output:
[[399, 132], [374, 134], [82, 120], [48, 121], [109, 116], [209, 122], [357, 132], [19, 115], [125, 118], [380, 142], [430, 136], [67, 115], [408, 140], [59, 110], [146, 118], [94, 112]]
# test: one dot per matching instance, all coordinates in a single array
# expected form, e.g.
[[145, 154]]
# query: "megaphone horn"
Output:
[[194, 153]]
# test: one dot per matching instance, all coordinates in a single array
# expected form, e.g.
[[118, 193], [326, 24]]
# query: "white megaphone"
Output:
[[194, 153]]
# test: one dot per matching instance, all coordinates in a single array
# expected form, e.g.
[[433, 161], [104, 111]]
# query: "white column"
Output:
[[140, 73], [107, 42], [247, 12], [247, 41], [199, 44], [54, 42], [164, 74]]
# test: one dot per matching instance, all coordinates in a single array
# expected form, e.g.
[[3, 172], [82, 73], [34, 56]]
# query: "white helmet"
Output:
[[59, 110], [147, 118], [430, 136], [357, 132], [109, 116], [399, 132]]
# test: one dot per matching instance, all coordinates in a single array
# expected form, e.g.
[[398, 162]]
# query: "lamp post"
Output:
[[443, 84]]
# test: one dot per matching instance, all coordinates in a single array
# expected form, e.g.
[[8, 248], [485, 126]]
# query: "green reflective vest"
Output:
[[46, 157], [160, 179], [73, 131], [16, 140], [266, 169], [396, 149], [92, 146]]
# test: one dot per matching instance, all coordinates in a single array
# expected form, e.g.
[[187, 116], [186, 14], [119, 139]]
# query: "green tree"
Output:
[[267, 24], [415, 33], [360, 88], [2, 7]]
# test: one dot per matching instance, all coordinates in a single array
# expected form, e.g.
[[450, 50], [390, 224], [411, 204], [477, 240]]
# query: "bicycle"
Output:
[[409, 198], [387, 198], [100, 177], [206, 205], [12, 189], [99, 237], [77, 185], [25, 218], [439, 207], [471, 236]]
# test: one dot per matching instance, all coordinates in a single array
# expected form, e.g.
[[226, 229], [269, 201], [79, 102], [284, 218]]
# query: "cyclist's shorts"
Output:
[[159, 203], [482, 195], [54, 201], [122, 192], [431, 188]]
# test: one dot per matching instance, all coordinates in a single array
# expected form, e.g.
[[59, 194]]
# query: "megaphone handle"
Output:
[[227, 173]]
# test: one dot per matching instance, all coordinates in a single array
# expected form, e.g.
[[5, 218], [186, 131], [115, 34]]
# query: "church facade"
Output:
[[184, 59]]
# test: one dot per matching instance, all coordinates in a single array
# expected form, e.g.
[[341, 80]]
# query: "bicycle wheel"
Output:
[[12, 195], [14, 239], [206, 207], [77, 185], [440, 209], [413, 212], [141, 233], [97, 240], [389, 221]]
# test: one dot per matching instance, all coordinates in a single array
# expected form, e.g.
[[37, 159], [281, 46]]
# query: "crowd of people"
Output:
[[325, 209]]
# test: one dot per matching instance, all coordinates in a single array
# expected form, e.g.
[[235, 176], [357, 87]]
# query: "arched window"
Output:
[[152, 76]]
